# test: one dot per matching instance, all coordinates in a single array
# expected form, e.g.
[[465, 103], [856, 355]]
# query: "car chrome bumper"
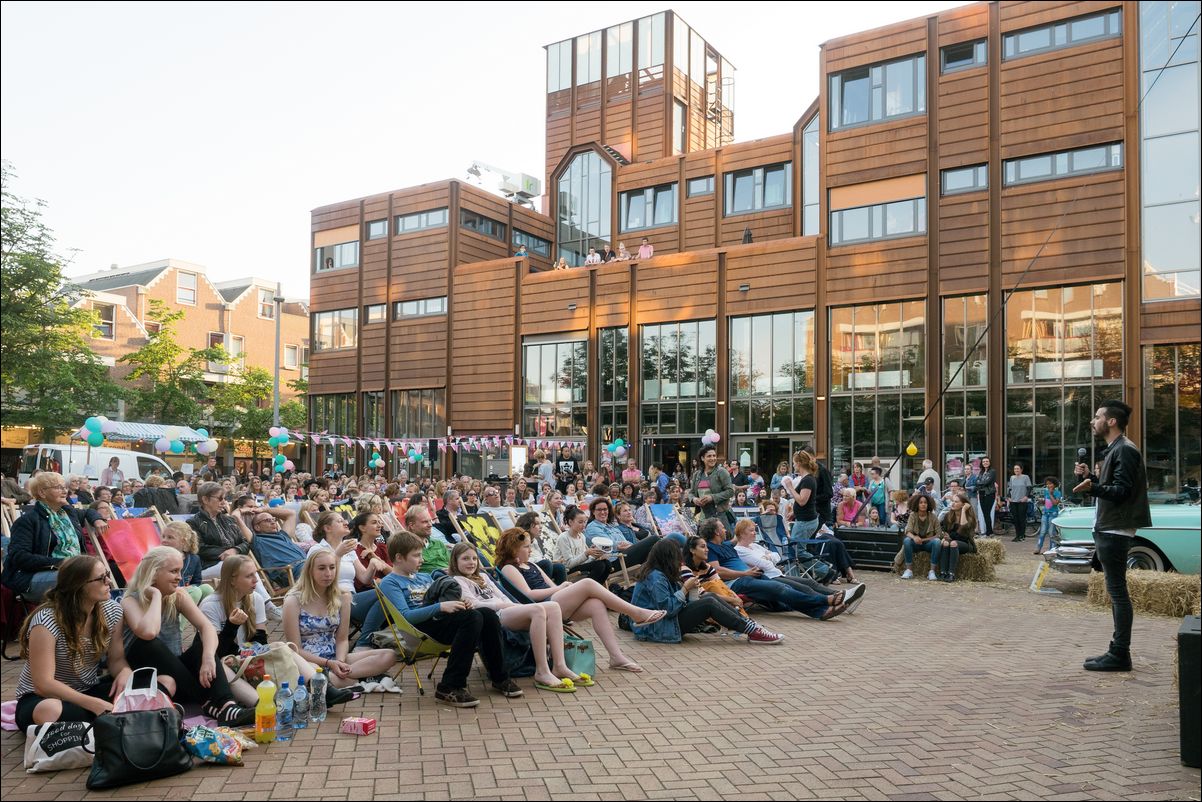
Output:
[[1071, 558]]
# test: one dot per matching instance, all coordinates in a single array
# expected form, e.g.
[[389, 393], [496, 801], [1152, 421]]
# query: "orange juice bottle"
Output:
[[265, 711]]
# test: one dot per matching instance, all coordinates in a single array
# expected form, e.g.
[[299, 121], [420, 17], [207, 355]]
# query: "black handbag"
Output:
[[137, 746]]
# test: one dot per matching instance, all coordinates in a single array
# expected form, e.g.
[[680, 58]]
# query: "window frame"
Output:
[[424, 307], [423, 221], [980, 171], [1112, 149], [708, 184], [877, 76], [1112, 20], [532, 242], [295, 351], [194, 289], [980, 56], [651, 200], [835, 227], [110, 322], [500, 230], [759, 177], [367, 229], [335, 253], [337, 314], [270, 303], [381, 311]]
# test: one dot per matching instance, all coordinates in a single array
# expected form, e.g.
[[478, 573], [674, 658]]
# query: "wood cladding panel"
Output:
[[484, 203], [613, 295], [872, 152], [963, 24], [618, 131], [771, 150], [649, 138], [1067, 98], [335, 215], [649, 174], [876, 272], [371, 354], [696, 118], [699, 222], [782, 276], [775, 224], [482, 348], [545, 300], [877, 45], [963, 129], [664, 284], [559, 141], [374, 266], [1171, 322], [419, 264], [419, 356], [1015, 15], [963, 243], [422, 198], [1088, 242], [333, 371], [474, 247], [588, 124], [334, 289]]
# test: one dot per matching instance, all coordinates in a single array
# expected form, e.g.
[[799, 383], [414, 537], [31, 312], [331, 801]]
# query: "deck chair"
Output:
[[516, 595], [482, 531], [128, 540], [412, 645], [275, 592]]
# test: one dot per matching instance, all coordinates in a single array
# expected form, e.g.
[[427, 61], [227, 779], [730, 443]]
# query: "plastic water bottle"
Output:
[[265, 711], [283, 713], [317, 697], [300, 705]]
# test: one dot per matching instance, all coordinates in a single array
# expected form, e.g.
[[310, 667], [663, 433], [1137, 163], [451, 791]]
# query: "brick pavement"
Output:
[[929, 692]]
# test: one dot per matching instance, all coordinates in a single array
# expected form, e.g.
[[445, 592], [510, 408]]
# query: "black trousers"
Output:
[[949, 558], [71, 711], [596, 570], [695, 613], [988, 502], [1018, 517], [636, 554], [1112, 554], [468, 631], [183, 668], [557, 571]]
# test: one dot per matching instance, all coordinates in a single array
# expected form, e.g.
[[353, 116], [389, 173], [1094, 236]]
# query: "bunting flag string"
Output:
[[399, 448]]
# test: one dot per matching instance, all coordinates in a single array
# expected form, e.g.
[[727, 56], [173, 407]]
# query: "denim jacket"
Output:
[[657, 593]]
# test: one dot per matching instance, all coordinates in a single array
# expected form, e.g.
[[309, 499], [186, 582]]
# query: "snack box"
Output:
[[358, 726]]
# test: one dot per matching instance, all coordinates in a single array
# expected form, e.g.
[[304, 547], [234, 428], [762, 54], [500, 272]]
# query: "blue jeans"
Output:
[[882, 510], [933, 546], [367, 612], [771, 592], [1045, 528], [803, 530]]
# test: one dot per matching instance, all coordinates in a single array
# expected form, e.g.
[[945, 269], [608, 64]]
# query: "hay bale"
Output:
[[992, 547], [972, 567], [1155, 592]]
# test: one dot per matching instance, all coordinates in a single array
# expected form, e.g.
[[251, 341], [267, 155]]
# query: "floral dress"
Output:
[[319, 634]]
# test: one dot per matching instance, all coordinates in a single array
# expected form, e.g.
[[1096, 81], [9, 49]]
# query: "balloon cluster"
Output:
[[170, 442], [206, 446], [279, 437], [617, 448], [415, 456], [710, 437], [95, 428], [376, 461]]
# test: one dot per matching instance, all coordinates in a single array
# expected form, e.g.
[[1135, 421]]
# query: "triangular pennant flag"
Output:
[[316, 439], [442, 447], [349, 442], [455, 446]]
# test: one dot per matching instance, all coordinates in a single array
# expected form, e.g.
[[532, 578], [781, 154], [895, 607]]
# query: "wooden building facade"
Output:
[[947, 249]]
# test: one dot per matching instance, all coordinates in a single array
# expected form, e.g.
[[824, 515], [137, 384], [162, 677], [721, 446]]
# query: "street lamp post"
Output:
[[275, 388]]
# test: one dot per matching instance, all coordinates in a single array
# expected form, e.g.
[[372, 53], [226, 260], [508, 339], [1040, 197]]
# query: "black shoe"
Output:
[[1109, 662], [508, 689], [231, 715], [458, 697], [338, 696]]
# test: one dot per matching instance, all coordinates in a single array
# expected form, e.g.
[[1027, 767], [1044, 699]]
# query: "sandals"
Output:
[[656, 615], [838, 598], [585, 681], [629, 665], [563, 686], [833, 611]]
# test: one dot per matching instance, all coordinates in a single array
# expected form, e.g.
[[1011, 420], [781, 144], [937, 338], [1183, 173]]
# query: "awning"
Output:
[[131, 432]]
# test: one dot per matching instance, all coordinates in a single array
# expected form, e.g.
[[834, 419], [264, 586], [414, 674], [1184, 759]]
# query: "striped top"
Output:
[[79, 672]]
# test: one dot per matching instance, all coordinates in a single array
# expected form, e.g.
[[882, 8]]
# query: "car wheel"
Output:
[[1145, 557]]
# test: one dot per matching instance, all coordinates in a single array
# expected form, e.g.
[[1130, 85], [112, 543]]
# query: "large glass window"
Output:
[[679, 373], [620, 42], [335, 414], [1172, 422], [1170, 167], [811, 194], [336, 257], [651, 48], [904, 218], [1062, 34], [965, 426], [555, 389], [1095, 159], [373, 414], [420, 221], [559, 66], [877, 383], [772, 373], [878, 92], [614, 389], [533, 244], [679, 127], [1064, 355], [583, 219], [588, 58], [337, 329], [484, 226], [420, 414], [648, 208], [758, 188]]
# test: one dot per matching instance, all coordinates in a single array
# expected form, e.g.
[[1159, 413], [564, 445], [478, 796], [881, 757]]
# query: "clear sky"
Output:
[[207, 132]]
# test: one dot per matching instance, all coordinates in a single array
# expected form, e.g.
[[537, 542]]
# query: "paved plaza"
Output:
[[930, 691]]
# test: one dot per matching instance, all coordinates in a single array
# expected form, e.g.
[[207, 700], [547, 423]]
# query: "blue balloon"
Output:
[[177, 447], [203, 433], [95, 439], [276, 502], [280, 459], [93, 424]]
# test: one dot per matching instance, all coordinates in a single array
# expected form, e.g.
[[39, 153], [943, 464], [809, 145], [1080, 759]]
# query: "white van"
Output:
[[76, 458]]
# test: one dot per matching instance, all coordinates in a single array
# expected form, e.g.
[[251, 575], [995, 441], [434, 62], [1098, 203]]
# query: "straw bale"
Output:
[[972, 567], [1156, 592], [992, 547]]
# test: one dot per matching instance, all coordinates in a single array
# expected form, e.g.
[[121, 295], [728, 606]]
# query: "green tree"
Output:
[[168, 378], [293, 415], [49, 375], [238, 406]]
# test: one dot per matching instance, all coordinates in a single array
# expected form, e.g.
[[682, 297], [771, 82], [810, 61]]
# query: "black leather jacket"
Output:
[[1122, 489], [33, 541]]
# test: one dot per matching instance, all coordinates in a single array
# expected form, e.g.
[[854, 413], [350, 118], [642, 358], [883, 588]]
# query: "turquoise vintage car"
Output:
[[1172, 543]]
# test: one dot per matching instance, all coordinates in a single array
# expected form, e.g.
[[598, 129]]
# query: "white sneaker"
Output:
[[907, 574], [931, 576], [370, 686]]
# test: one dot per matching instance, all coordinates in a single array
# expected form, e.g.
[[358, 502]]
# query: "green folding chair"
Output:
[[412, 644]]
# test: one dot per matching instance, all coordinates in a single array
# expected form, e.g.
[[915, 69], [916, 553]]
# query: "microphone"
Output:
[[1082, 453]]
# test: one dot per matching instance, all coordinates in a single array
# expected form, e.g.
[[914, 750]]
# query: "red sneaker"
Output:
[[761, 635]]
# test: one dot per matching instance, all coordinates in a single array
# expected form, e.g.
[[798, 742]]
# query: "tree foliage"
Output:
[[49, 375], [168, 378]]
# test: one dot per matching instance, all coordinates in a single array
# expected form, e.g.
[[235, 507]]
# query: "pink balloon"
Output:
[[717, 437], [274, 431], [289, 466]]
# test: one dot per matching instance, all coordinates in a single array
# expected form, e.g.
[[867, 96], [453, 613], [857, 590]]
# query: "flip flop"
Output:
[[585, 681], [833, 611], [629, 665], [656, 615], [839, 598], [564, 686]]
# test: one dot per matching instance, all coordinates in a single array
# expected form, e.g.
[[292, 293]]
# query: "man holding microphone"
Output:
[[1121, 491]]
